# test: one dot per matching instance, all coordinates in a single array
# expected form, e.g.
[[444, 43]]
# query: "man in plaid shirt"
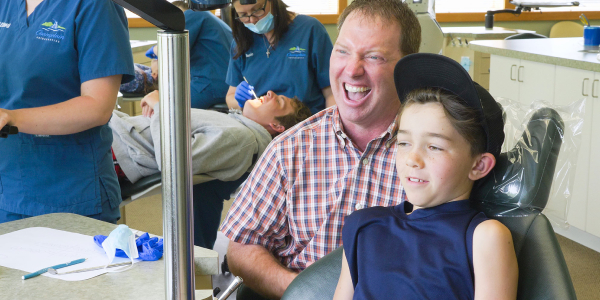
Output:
[[291, 210]]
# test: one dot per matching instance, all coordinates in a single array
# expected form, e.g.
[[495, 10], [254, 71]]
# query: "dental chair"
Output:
[[515, 194]]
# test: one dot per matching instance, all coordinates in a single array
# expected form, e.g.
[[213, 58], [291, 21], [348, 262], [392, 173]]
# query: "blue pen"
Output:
[[42, 271]]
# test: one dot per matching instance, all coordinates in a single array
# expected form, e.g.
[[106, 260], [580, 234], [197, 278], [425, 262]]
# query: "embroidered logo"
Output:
[[249, 54], [4, 25], [296, 53], [51, 31]]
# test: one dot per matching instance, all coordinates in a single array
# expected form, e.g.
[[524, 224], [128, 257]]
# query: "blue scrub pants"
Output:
[[108, 214], [208, 206]]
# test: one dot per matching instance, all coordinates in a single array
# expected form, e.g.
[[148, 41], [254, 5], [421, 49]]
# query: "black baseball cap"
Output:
[[426, 70]]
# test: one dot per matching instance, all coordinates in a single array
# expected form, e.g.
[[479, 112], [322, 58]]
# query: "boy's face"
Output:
[[434, 161], [264, 109]]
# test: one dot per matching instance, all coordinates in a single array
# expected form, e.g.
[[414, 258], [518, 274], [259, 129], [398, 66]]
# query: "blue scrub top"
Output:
[[298, 66], [45, 58], [210, 41]]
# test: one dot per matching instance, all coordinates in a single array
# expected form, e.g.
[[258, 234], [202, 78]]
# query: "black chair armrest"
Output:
[[129, 189]]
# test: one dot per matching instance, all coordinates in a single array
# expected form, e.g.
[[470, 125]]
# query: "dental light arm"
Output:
[[174, 87], [520, 7]]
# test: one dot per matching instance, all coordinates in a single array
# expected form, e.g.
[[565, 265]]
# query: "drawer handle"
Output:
[[519, 73], [594, 88], [511, 72], [583, 87]]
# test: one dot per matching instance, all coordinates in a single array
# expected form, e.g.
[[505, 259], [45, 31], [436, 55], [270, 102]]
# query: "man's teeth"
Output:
[[356, 89], [416, 180]]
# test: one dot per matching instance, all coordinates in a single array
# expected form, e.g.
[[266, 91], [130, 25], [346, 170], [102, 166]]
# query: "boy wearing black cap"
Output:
[[450, 133]]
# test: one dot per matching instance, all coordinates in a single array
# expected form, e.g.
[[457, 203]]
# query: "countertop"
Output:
[[144, 281], [139, 46], [564, 52], [480, 32]]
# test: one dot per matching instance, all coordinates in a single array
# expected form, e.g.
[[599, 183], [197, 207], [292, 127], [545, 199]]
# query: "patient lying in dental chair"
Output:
[[224, 146], [145, 81]]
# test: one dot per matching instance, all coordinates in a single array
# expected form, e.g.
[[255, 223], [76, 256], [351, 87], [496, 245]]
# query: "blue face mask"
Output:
[[263, 25], [120, 238]]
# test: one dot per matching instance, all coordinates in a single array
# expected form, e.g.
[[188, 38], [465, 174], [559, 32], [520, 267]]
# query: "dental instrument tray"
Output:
[[7, 129]]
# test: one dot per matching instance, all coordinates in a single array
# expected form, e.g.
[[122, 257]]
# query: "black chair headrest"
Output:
[[520, 182]]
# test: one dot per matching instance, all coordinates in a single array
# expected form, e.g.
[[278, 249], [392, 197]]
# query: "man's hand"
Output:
[[148, 103], [260, 270]]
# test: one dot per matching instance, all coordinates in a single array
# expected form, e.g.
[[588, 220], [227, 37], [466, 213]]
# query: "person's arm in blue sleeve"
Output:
[[322, 49], [98, 94], [233, 78]]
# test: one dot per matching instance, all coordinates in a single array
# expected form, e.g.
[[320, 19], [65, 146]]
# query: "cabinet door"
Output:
[[572, 85], [503, 77], [593, 205], [537, 80]]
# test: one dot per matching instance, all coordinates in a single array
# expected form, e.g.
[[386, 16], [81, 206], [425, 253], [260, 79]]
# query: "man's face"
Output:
[[362, 70], [264, 109]]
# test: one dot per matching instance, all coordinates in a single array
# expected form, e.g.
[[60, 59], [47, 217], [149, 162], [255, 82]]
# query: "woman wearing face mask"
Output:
[[275, 49]]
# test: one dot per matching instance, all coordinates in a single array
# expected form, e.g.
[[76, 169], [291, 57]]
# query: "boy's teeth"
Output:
[[356, 89], [415, 180]]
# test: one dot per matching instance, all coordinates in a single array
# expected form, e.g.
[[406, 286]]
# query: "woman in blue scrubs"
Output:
[[210, 41], [61, 67], [275, 49]]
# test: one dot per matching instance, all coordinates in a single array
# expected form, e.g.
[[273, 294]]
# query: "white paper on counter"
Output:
[[36, 248]]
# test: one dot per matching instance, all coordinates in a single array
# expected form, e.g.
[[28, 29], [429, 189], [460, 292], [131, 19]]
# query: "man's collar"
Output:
[[338, 127]]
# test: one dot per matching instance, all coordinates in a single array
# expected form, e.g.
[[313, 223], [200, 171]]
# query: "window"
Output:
[[314, 7], [474, 10], [584, 5], [461, 6], [326, 11]]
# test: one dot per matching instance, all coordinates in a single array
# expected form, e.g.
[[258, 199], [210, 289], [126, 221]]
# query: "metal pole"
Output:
[[174, 87]]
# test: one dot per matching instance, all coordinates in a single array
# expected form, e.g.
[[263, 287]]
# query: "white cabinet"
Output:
[[572, 85], [527, 81], [503, 77], [521, 80]]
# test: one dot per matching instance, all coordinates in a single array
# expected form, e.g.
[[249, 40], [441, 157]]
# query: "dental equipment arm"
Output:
[[522, 6]]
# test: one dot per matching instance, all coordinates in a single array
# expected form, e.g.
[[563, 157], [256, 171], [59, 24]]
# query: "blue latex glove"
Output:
[[149, 249], [243, 93], [150, 53]]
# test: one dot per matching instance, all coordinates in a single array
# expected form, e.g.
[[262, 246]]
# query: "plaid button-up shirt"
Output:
[[310, 178]]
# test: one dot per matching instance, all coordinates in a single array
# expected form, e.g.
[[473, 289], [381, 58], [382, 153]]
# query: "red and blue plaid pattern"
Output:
[[310, 178]]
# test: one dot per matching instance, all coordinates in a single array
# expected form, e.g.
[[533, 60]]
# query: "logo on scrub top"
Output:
[[4, 25], [51, 31], [297, 53]]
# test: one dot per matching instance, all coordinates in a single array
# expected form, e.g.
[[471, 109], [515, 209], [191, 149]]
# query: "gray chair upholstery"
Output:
[[543, 273]]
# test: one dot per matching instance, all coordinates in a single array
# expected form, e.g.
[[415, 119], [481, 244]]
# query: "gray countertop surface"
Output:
[[139, 46], [146, 280], [566, 52], [480, 32]]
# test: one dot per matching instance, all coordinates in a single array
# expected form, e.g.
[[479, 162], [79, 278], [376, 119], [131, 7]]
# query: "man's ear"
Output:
[[277, 127], [483, 165]]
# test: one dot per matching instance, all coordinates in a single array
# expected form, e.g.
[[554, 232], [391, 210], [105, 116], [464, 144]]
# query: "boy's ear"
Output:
[[483, 165], [277, 127]]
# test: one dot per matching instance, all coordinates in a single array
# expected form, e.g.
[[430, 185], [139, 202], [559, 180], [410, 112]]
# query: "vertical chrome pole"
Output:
[[174, 90]]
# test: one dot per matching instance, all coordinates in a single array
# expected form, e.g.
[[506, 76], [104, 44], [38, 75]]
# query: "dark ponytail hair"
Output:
[[244, 37]]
